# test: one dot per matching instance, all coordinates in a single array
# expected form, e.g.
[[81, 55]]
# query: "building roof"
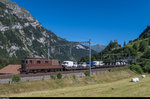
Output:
[[10, 69]]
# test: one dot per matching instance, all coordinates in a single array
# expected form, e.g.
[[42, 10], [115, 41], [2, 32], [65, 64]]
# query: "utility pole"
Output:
[[90, 55], [70, 50], [129, 58], [101, 56], [59, 50]]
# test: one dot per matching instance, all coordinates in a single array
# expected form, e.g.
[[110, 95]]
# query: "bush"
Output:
[[74, 76], [87, 73], [124, 68], [135, 46], [146, 54], [118, 69], [74, 79], [146, 65], [130, 41], [136, 68], [143, 46], [59, 75], [15, 78], [52, 77], [4, 61]]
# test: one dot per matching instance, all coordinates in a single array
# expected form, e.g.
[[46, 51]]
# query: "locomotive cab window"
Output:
[[38, 62], [30, 61], [46, 62], [26, 62]]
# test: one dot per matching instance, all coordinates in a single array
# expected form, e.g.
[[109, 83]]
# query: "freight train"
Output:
[[34, 65]]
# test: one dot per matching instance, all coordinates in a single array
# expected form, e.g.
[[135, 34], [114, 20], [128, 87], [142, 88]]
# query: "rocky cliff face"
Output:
[[22, 36]]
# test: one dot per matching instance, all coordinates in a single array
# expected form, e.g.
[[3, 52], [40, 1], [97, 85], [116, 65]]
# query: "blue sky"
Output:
[[98, 20]]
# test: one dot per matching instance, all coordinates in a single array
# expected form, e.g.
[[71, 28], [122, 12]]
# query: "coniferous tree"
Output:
[[146, 54], [149, 41], [143, 46], [130, 41], [124, 44], [135, 46]]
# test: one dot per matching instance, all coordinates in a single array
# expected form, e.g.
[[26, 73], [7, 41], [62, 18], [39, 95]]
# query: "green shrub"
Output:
[[87, 73], [74, 76], [145, 64], [59, 75], [135, 46], [143, 46], [4, 61], [136, 68], [75, 79], [146, 54], [124, 68], [52, 77], [15, 78], [118, 69]]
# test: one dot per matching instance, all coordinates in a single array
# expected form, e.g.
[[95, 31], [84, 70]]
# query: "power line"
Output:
[[84, 42]]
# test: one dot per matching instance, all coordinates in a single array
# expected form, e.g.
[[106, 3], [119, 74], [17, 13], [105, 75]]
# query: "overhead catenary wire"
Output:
[[84, 42]]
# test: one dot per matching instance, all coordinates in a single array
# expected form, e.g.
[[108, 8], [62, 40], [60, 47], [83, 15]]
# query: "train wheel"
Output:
[[27, 71], [50, 70]]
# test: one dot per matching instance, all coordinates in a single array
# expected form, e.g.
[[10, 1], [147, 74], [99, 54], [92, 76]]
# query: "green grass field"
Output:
[[112, 84]]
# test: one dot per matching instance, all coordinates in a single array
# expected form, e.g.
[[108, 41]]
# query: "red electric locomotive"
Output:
[[40, 65]]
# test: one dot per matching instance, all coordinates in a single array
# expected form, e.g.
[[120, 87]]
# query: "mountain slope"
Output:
[[135, 49], [22, 36], [145, 33], [98, 47]]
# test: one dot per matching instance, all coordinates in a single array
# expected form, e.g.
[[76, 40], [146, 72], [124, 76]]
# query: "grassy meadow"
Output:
[[111, 84]]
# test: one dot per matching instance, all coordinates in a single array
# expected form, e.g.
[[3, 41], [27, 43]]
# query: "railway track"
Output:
[[55, 73]]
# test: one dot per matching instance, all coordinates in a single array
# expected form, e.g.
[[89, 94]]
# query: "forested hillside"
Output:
[[138, 49]]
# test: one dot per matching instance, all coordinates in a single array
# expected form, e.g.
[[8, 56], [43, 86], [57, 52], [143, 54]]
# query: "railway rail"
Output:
[[8, 76]]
